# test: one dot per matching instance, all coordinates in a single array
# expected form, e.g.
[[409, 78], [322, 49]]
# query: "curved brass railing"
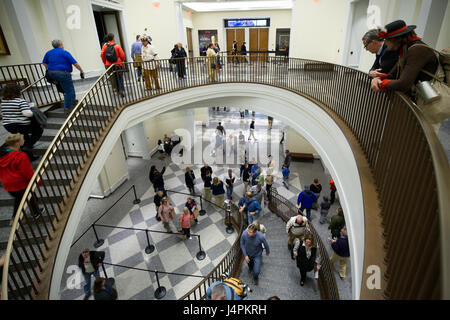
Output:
[[230, 263], [327, 281], [405, 158]]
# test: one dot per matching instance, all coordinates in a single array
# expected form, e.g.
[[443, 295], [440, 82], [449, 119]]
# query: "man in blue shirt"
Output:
[[285, 173], [253, 208], [58, 63], [306, 198], [251, 246], [136, 54], [255, 173]]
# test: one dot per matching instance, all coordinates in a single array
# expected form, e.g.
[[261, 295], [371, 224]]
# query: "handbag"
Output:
[[439, 109], [196, 213]]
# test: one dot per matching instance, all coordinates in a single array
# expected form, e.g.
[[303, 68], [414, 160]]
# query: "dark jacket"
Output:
[[217, 190], [179, 53], [340, 246], [157, 199], [243, 49], [337, 223], [315, 189], [96, 258], [302, 261], [106, 294], [230, 181], [287, 160], [189, 178], [245, 176], [157, 179], [204, 171], [415, 59], [386, 60]]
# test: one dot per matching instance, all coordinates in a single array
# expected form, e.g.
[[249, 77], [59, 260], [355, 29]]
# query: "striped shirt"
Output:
[[16, 111]]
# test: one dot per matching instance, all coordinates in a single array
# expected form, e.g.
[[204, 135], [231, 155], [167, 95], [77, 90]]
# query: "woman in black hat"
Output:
[[414, 57]]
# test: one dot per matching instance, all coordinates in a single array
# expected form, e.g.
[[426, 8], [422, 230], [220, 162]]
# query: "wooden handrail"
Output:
[[401, 149]]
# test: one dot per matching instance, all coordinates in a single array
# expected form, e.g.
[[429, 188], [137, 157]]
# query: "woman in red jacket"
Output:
[[16, 171]]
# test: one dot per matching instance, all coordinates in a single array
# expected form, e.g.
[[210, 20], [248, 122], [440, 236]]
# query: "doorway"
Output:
[[237, 35], [259, 41], [108, 20], [357, 27], [189, 43]]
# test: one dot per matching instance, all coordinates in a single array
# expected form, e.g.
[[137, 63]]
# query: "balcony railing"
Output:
[[407, 164]]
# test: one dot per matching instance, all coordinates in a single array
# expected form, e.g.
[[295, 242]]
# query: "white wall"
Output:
[[113, 173], [297, 143], [444, 35], [166, 123], [214, 21], [141, 14], [298, 112], [317, 30]]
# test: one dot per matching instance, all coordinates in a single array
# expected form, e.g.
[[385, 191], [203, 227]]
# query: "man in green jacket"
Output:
[[337, 223]]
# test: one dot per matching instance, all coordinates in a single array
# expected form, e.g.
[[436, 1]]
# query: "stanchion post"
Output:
[[104, 271], [229, 228], [200, 254], [202, 211], [150, 248], [136, 200], [99, 242], [160, 292]]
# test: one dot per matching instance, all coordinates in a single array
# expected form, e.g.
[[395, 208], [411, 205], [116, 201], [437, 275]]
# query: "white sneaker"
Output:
[[190, 238]]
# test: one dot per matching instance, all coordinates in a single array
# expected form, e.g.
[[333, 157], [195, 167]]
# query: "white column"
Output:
[[430, 20], [20, 21], [406, 10], [189, 124], [181, 30], [48, 9]]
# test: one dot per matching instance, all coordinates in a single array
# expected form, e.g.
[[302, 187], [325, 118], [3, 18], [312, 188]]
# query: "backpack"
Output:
[[235, 284], [110, 53]]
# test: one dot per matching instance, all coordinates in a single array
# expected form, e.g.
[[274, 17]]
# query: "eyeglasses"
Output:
[[367, 44]]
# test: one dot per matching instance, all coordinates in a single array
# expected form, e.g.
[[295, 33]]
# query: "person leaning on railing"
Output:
[[211, 62], [58, 63], [417, 62], [18, 118], [16, 172]]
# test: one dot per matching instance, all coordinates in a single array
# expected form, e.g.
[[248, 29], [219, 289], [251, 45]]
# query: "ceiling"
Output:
[[235, 5]]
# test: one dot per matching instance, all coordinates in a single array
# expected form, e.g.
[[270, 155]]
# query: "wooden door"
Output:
[[259, 41], [189, 43], [264, 42], [232, 35]]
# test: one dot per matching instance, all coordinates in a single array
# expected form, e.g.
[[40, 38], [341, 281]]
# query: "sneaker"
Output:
[[302, 283], [189, 238], [86, 297], [256, 281]]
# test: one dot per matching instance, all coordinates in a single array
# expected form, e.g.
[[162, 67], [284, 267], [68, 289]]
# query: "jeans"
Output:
[[87, 279], [118, 76], [241, 170], [65, 81], [230, 193], [308, 212], [255, 266], [139, 72], [252, 217]]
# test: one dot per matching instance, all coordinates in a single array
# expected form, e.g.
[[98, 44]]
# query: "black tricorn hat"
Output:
[[396, 29]]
